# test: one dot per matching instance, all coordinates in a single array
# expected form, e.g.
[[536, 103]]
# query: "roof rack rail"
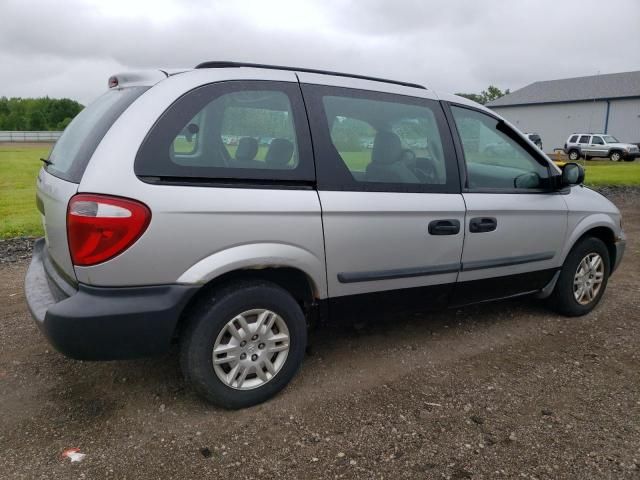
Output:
[[223, 64]]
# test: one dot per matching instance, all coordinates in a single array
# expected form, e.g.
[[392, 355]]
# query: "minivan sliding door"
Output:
[[389, 192]]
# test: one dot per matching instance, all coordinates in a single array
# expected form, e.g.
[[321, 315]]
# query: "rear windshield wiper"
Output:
[[46, 161]]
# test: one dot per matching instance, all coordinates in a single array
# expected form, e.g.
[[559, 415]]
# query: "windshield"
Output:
[[610, 139], [71, 153]]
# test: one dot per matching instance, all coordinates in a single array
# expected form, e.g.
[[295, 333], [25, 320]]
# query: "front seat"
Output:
[[386, 165], [279, 153], [247, 149]]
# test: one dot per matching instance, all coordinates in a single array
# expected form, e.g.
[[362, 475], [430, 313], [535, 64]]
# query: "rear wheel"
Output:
[[583, 278], [574, 155], [244, 345], [615, 156]]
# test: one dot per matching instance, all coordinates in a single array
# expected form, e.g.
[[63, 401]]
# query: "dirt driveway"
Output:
[[506, 390]]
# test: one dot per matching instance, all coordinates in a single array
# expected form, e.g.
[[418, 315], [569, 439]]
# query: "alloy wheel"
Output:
[[588, 279], [251, 349]]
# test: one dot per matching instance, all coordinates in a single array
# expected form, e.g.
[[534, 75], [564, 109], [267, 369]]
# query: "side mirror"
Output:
[[572, 174]]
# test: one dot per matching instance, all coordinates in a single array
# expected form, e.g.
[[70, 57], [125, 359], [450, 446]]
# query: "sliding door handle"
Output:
[[482, 224], [444, 227]]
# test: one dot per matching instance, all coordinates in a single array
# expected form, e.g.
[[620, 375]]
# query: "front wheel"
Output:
[[244, 345], [583, 278], [615, 156]]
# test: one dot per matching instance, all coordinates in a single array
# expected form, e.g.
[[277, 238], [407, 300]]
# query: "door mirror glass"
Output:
[[572, 174]]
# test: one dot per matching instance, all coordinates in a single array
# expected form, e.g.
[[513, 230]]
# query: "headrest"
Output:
[[247, 149], [387, 148], [280, 151]]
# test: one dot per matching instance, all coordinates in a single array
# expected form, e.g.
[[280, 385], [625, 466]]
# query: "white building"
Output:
[[556, 108]]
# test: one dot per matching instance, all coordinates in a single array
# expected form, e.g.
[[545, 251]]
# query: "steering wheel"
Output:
[[408, 157], [426, 175]]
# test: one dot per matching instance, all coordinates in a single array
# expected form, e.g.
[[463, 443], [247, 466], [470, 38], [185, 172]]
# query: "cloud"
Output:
[[69, 48]]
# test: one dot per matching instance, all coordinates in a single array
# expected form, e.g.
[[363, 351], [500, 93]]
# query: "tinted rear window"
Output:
[[235, 131], [72, 151]]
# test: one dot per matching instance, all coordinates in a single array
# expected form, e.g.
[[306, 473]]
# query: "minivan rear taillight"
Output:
[[99, 227]]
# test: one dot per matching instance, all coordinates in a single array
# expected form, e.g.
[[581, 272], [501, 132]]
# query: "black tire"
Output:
[[562, 300], [615, 156], [574, 155], [212, 315]]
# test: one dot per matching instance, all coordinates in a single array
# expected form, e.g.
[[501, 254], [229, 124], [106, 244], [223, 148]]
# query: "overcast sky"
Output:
[[68, 48]]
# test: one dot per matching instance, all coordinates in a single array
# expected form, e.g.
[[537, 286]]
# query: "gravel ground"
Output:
[[505, 390], [16, 249]]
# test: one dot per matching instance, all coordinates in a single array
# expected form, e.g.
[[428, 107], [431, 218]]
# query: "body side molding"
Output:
[[352, 277], [507, 261], [369, 276]]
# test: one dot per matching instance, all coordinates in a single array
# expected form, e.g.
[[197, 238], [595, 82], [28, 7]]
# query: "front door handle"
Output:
[[444, 227], [482, 224]]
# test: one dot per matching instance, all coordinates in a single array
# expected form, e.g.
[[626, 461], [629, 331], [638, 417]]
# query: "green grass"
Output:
[[605, 172], [261, 155], [19, 165]]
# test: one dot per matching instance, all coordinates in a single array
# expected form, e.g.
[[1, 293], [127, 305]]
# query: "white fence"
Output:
[[6, 136]]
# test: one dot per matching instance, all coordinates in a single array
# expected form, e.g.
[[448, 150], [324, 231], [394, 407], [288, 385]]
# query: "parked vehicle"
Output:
[[535, 138], [233, 254], [589, 145]]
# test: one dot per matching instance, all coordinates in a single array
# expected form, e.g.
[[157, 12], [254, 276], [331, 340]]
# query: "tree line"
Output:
[[20, 114], [491, 93]]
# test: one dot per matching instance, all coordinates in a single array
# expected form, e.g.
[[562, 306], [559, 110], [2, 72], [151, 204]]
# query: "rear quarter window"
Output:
[[233, 131], [71, 153]]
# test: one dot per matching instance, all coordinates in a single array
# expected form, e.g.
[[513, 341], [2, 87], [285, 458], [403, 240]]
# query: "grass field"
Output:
[[19, 165], [604, 172]]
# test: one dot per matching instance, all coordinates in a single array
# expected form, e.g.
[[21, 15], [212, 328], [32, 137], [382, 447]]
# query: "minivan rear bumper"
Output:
[[104, 323]]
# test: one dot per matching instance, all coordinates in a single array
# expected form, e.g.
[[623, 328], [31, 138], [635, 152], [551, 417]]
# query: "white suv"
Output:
[[590, 145], [229, 206]]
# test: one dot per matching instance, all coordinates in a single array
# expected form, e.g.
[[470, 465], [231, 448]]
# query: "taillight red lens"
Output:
[[99, 227]]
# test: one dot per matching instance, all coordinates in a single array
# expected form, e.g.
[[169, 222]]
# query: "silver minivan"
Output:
[[230, 206]]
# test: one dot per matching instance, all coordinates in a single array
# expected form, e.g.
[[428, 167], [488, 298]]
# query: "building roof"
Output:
[[613, 85]]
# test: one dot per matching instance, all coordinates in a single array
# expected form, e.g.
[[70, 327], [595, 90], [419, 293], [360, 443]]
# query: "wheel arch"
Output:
[[601, 229], [616, 150], [255, 257], [294, 269]]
